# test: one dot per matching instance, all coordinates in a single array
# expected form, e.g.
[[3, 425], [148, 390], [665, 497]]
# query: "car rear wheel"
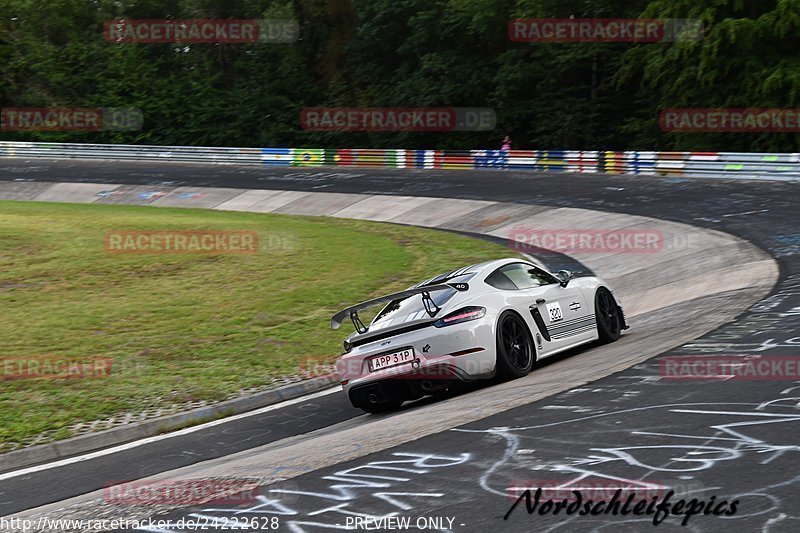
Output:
[[515, 352], [609, 319]]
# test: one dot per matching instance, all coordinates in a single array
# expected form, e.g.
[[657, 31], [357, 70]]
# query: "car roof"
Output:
[[486, 267], [490, 266]]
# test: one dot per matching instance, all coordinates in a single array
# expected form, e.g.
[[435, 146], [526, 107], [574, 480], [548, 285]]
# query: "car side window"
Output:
[[541, 276], [519, 276], [499, 280]]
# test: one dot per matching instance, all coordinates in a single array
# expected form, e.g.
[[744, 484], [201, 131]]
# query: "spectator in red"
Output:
[[506, 143]]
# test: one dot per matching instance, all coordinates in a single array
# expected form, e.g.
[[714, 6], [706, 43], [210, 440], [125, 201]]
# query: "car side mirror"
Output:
[[564, 276]]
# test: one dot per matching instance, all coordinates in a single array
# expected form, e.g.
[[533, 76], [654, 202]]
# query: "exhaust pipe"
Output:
[[426, 385], [372, 398]]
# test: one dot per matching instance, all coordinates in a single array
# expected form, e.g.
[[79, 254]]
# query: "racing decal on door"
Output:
[[554, 311], [569, 328]]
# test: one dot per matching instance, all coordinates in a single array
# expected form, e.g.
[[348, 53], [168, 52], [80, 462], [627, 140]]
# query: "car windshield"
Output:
[[413, 304]]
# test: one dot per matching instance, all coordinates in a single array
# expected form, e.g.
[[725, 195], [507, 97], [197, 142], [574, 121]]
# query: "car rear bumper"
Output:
[[442, 356], [409, 386]]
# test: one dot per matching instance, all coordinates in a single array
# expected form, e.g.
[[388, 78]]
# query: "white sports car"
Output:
[[491, 319]]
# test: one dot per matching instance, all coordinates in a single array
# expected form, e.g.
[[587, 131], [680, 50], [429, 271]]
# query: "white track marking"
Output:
[[142, 442]]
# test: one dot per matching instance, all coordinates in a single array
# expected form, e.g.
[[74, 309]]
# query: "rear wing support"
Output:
[[357, 323], [430, 306]]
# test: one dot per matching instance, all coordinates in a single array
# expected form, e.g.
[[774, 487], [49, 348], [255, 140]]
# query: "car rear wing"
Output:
[[430, 305]]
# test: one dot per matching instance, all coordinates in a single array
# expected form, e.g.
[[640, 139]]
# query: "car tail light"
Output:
[[462, 315]]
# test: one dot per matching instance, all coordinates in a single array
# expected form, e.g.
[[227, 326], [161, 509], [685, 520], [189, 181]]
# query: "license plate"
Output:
[[391, 359]]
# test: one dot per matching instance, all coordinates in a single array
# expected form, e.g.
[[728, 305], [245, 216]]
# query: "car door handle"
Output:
[[540, 301]]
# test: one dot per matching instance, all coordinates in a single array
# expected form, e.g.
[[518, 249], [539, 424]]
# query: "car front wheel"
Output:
[[609, 319]]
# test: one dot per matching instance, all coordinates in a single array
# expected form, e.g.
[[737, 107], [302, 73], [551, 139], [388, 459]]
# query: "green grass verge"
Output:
[[185, 327]]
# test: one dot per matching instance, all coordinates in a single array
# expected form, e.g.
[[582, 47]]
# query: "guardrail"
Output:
[[690, 164]]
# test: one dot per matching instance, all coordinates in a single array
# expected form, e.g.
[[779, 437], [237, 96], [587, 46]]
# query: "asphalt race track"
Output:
[[722, 439]]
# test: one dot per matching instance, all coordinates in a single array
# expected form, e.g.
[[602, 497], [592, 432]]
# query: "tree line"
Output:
[[405, 54]]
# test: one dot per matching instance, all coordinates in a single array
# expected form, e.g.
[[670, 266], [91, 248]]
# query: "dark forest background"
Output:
[[405, 53]]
